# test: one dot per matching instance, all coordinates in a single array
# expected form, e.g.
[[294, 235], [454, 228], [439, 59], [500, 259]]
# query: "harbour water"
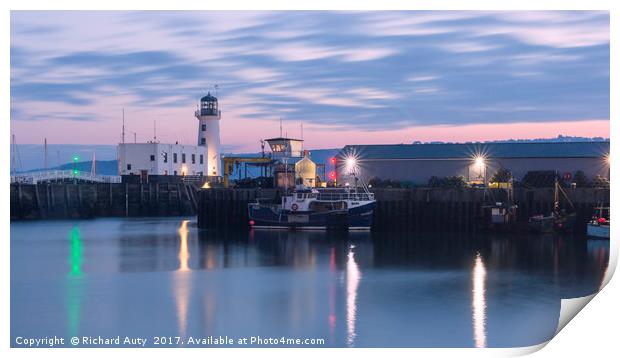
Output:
[[163, 277]]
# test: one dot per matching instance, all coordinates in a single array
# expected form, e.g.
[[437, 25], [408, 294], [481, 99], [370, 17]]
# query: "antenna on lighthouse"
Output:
[[93, 166], [154, 131], [280, 127]]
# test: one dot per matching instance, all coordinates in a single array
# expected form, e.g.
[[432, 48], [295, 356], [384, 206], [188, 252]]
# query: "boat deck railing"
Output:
[[335, 196]]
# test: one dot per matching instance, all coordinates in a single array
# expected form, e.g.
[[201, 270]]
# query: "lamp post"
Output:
[[480, 163]]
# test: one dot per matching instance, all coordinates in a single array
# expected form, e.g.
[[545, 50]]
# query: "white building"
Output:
[[154, 158], [162, 159]]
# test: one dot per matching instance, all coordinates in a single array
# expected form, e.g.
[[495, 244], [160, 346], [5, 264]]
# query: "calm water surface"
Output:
[[164, 277]]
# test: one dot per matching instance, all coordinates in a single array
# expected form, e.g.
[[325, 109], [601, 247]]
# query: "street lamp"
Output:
[[480, 163], [351, 165]]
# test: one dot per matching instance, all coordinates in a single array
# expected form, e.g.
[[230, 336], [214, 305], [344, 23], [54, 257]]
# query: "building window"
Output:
[[128, 166], [175, 172], [165, 172], [174, 157], [204, 127], [165, 155], [201, 159], [203, 141], [182, 157], [152, 157], [193, 158]]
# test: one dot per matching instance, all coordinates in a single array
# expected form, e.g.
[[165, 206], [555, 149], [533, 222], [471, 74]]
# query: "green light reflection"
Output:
[[75, 282]]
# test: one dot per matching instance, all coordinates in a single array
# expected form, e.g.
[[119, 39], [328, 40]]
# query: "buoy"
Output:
[[601, 220], [251, 222]]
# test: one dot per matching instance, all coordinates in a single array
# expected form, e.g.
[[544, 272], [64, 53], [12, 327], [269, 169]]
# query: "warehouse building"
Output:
[[476, 162]]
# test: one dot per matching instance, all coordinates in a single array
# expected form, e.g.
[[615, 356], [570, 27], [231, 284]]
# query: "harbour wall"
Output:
[[82, 200], [419, 209]]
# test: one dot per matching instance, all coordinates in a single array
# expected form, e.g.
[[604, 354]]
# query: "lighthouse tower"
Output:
[[209, 132]]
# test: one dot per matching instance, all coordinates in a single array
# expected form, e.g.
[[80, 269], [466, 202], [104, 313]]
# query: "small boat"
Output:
[[347, 208], [558, 219], [598, 227], [501, 213]]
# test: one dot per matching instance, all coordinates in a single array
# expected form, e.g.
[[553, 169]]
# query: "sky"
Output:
[[349, 77]]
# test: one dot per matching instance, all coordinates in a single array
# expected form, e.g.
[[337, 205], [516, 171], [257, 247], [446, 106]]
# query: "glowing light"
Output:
[[206, 185], [478, 303], [351, 164], [479, 161], [184, 170], [76, 158], [332, 160], [353, 280]]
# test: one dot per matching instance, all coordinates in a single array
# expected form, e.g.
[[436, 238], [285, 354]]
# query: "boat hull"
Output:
[[267, 217], [598, 231], [553, 223]]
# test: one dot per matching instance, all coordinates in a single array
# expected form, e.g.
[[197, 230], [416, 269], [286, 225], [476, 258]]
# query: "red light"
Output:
[[251, 222], [332, 175], [332, 160]]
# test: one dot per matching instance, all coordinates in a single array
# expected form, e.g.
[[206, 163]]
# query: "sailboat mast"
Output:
[[45, 153], [556, 199], [14, 154]]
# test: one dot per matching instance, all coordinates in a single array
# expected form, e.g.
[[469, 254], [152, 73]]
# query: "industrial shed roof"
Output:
[[491, 150]]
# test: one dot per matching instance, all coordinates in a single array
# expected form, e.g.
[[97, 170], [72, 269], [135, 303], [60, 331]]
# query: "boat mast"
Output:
[[556, 199]]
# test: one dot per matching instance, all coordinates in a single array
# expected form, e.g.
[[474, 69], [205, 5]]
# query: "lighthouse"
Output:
[[209, 132]]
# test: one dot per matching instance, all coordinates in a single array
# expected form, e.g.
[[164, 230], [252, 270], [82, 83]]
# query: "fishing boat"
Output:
[[599, 226], [501, 213], [558, 219], [347, 208]]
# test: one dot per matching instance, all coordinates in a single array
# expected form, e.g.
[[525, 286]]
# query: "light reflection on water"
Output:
[[182, 279], [165, 277], [353, 280], [74, 282], [478, 303]]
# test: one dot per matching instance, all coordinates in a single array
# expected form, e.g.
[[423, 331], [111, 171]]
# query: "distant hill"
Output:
[[104, 167]]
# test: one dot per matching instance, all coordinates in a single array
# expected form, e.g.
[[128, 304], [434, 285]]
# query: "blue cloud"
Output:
[[372, 70]]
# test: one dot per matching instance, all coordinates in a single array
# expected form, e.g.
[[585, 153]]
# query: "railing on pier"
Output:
[[62, 175]]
